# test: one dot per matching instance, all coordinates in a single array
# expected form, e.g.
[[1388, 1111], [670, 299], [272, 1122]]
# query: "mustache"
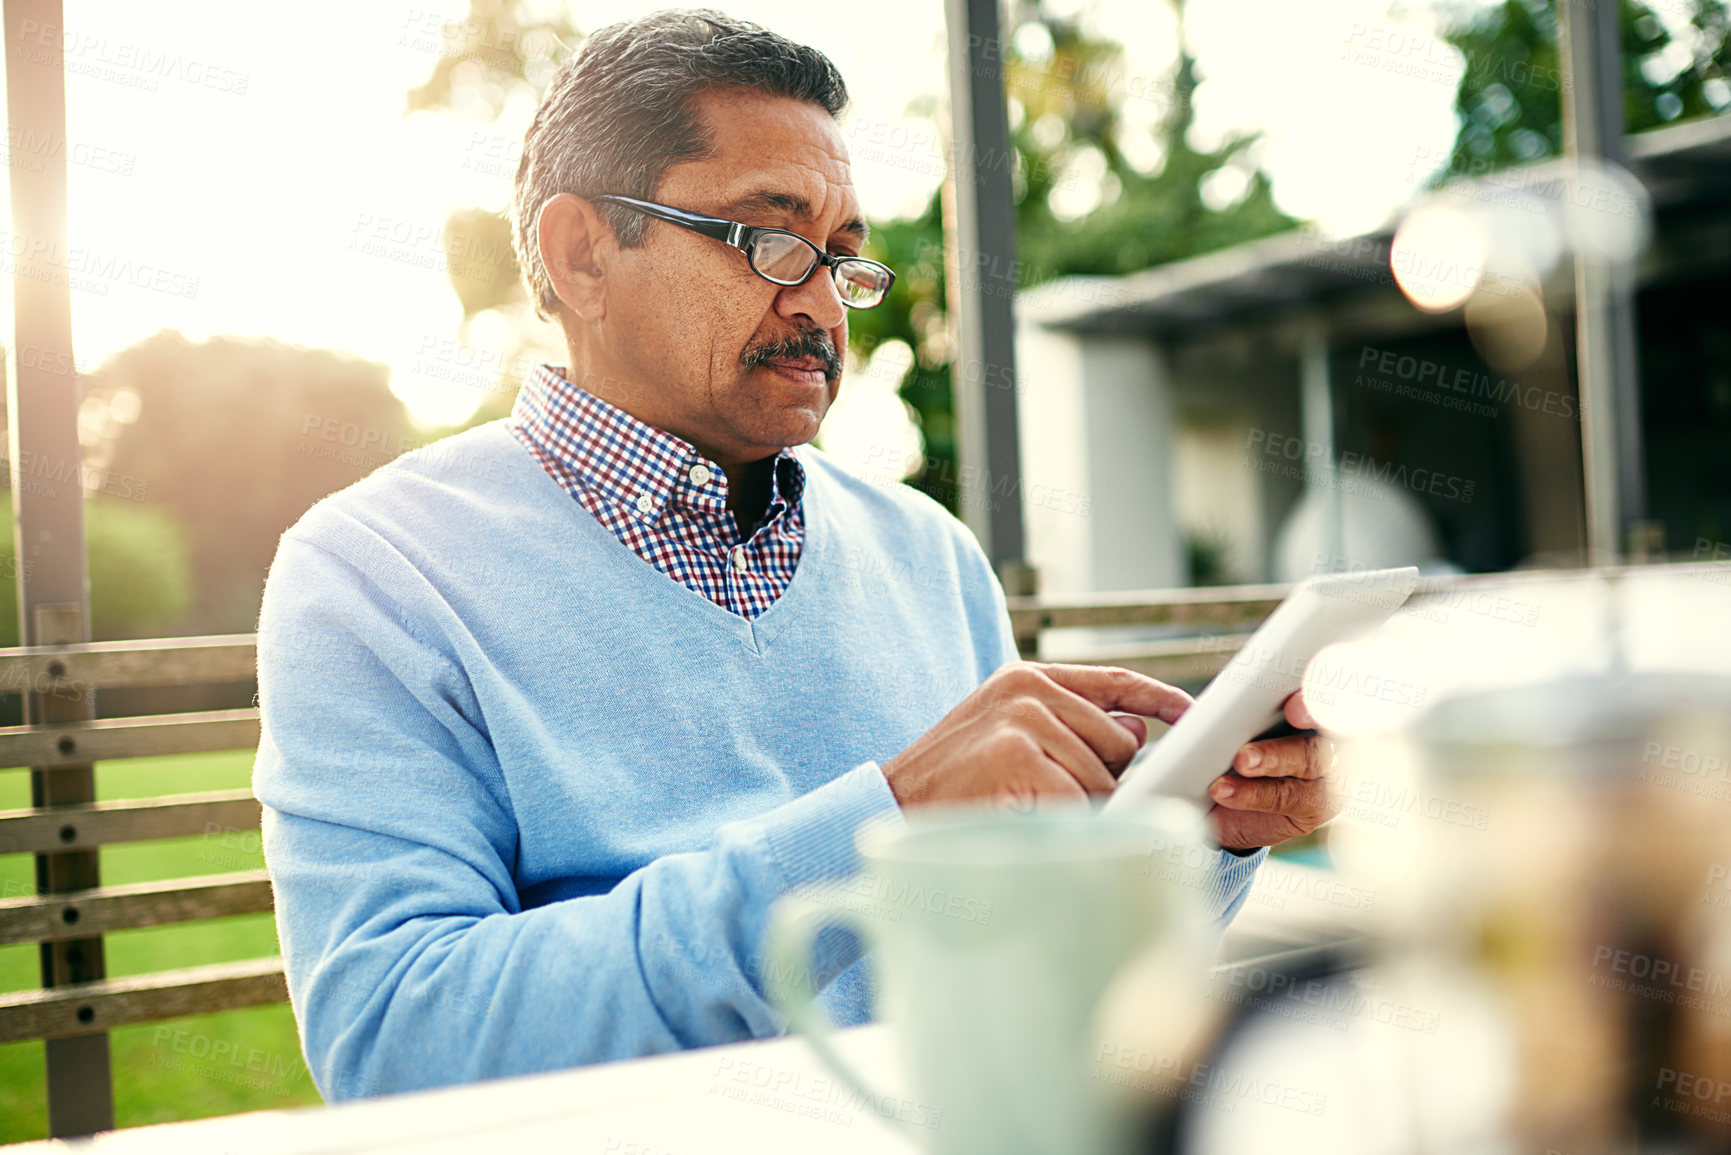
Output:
[[805, 343]]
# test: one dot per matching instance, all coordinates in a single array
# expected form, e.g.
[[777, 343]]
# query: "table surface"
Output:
[[765, 1097], [768, 1096]]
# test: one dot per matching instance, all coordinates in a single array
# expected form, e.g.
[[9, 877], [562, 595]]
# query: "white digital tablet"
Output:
[[1245, 698]]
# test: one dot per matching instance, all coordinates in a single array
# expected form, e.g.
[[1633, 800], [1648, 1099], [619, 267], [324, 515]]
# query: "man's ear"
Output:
[[575, 240]]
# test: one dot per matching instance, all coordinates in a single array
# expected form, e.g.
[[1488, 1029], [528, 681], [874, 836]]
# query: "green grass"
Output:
[[183, 1068]]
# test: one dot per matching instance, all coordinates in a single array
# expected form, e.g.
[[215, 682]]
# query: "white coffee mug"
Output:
[[997, 938]]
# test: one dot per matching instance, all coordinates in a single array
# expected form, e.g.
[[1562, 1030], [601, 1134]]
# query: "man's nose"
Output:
[[817, 300]]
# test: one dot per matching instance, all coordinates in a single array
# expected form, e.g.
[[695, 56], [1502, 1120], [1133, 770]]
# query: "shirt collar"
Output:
[[629, 462]]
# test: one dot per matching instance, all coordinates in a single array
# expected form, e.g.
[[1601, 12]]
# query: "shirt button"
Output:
[[700, 475], [645, 504], [738, 555]]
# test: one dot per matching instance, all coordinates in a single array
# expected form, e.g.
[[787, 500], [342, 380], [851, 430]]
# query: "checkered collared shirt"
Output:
[[660, 497]]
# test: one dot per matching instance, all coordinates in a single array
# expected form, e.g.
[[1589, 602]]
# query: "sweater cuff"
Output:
[[1230, 886], [812, 838]]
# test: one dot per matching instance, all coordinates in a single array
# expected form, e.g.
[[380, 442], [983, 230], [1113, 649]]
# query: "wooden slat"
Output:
[[141, 737], [1220, 606], [81, 913], [87, 1008], [151, 662], [1246, 605], [88, 825], [1186, 660]]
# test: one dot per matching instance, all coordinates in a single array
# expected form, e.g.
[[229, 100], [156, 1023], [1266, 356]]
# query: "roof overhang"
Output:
[[1682, 166]]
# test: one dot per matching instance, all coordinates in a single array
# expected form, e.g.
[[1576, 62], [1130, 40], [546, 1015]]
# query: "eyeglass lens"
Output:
[[861, 285], [783, 257], [787, 258]]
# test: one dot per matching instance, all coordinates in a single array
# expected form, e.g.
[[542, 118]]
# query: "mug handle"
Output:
[[795, 921]]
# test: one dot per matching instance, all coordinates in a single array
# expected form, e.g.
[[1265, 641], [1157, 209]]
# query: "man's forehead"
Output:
[[774, 157]]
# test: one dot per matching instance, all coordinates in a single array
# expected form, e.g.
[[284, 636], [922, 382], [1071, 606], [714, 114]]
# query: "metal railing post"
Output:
[[1589, 56], [980, 234], [43, 396]]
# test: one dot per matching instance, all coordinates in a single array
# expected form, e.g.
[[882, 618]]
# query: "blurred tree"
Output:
[[1070, 131], [1082, 206], [233, 440], [1510, 98], [139, 565], [915, 313], [498, 59], [505, 49], [486, 284]]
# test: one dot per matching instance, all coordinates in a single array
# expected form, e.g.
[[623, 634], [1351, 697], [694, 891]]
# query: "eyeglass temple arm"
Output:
[[731, 232]]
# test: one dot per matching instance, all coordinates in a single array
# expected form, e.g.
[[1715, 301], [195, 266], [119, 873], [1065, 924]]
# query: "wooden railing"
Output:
[[1222, 616], [96, 1007]]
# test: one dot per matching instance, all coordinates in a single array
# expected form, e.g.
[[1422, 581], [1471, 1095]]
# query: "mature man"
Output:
[[556, 708]]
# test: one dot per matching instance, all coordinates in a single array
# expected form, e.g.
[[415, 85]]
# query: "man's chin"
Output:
[[788, 433], [781, 426]]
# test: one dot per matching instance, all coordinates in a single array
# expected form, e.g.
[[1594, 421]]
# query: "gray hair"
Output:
[[619, 113]]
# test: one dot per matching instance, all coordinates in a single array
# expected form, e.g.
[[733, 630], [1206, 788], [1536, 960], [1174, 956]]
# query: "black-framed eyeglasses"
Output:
[[778, 256]]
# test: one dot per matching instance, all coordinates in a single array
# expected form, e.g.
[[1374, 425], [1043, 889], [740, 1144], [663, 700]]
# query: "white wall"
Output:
[[1098, 434], [1218, 496]]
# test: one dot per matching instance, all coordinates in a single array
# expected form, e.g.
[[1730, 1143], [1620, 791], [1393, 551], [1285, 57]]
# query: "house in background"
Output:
[[1280, 407]]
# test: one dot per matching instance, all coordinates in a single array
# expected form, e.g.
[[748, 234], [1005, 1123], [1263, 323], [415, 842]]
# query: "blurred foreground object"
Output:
[[1538, 780], [1584, 908]]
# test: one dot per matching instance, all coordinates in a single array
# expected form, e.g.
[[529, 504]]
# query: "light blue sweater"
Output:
[[527, 800]]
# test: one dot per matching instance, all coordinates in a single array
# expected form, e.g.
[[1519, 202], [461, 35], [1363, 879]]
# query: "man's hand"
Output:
[[1278, 789], [1034, 731]]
